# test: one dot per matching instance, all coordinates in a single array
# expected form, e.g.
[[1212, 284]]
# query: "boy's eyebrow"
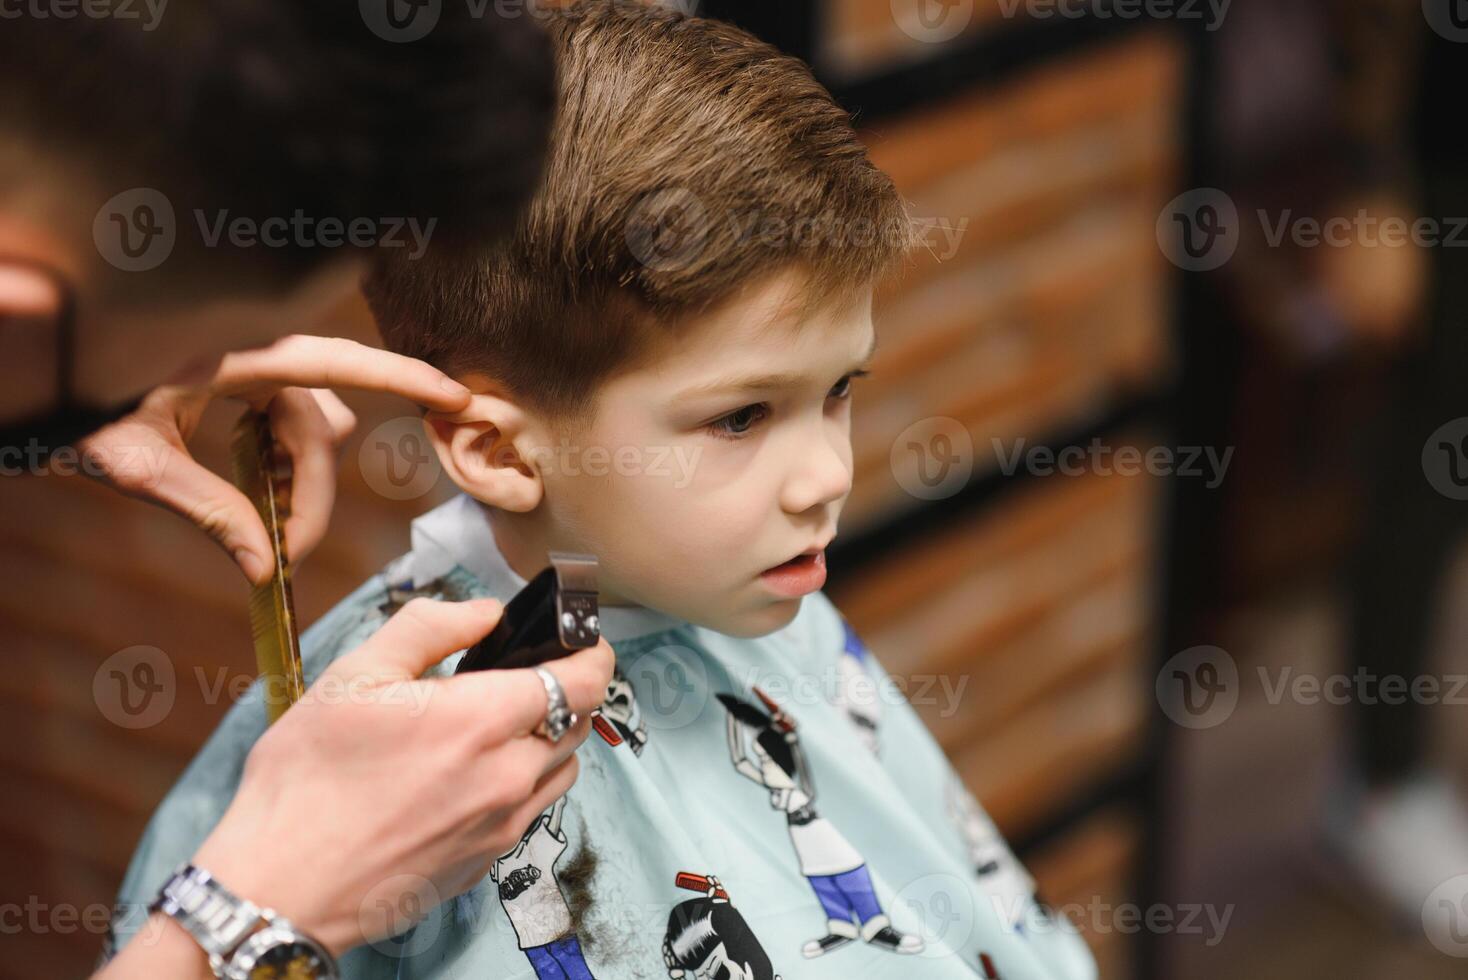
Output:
[[762, 382]]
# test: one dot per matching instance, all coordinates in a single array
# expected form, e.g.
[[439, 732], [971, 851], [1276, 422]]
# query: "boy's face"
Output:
[[688, 486]]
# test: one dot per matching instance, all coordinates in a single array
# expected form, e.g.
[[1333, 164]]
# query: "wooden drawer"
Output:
[[1052, 306], [862, 37], [1026, 631]]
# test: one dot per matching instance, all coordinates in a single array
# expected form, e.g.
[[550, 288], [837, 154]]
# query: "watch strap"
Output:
[[218, 919]]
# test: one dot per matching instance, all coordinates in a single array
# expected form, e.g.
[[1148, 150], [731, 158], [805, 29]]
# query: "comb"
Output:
[[265, 478], [697, 883]]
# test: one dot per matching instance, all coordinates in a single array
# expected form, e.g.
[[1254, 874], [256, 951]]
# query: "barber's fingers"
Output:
[[26, 291], [536, 755], [304, 431], [551, 787], [341, 419], [418, 636], [144, 456], [515, 700], [335, 362]]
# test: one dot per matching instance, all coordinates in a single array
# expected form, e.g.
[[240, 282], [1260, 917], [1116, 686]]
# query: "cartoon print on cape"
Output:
[[1000, 874], [532, 898], [765, 749], [856, 692], [619, 719], [708, 939]]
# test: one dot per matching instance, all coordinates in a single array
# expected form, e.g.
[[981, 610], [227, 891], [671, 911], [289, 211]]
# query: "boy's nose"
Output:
[[821, 474]]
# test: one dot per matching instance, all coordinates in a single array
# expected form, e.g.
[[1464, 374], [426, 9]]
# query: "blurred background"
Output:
[[1164, 457]]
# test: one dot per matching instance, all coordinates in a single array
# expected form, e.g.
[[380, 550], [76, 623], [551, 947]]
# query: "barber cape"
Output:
[[746, 809]]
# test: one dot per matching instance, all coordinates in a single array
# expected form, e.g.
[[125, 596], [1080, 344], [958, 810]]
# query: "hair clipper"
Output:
[[553, 616]]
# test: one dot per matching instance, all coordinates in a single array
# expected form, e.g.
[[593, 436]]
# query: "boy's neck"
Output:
[[523, 547]]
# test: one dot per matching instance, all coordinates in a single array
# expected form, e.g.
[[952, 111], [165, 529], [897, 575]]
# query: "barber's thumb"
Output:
[[421, 634]]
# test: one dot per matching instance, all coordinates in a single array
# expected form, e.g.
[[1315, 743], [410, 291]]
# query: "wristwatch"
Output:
[[243, 940]]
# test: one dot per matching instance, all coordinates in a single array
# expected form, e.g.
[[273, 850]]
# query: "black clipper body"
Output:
[[555, 615]]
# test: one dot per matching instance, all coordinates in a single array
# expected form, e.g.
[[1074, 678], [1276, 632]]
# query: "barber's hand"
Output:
[[379, 794], [146, 454]]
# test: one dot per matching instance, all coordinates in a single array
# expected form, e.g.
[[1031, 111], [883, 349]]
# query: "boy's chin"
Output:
[[758, 621]]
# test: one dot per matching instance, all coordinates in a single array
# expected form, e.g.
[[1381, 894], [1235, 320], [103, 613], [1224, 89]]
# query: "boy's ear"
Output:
[[486, 449]]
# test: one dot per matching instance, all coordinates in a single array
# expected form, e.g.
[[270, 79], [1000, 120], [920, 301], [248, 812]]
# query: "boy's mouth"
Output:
[[804, 573]]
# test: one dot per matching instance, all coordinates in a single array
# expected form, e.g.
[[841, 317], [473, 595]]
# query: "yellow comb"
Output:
[[266, 480]]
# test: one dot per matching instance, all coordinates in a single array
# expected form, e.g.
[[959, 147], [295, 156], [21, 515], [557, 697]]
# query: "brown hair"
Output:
[[687, 159]]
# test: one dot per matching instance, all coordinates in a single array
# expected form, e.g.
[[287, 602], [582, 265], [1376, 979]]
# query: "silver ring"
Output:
[[558, 714]]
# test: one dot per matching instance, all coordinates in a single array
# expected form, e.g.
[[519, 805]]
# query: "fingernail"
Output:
[[452, 387], [253, 564]]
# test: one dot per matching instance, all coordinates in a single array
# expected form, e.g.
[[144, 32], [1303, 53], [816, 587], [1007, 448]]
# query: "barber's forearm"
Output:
[[161, 949]]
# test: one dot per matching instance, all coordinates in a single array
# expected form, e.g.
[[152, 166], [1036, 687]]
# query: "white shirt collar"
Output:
[[458, 533]]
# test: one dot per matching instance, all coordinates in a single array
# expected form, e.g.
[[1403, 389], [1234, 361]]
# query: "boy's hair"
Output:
[[687, 159], [261, 108]]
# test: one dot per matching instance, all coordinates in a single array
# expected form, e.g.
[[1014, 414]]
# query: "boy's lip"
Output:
[[814, 549]]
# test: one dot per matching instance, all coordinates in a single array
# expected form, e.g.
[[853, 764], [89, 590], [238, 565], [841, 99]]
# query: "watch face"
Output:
[[289, 961]]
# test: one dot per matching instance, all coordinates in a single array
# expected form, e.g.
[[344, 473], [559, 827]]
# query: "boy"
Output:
[[662, 359]]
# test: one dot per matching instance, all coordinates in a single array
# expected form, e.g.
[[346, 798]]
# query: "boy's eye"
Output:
[[736, 424], [843, 387]]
